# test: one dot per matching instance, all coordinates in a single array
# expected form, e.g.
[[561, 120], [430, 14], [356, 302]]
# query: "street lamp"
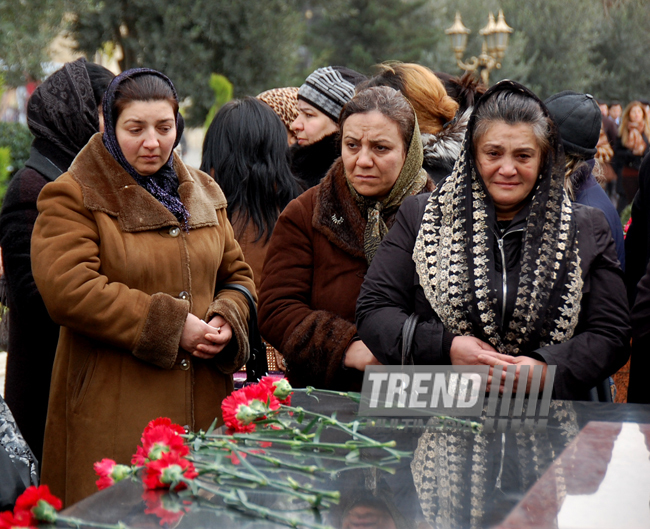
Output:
[[495, 42]]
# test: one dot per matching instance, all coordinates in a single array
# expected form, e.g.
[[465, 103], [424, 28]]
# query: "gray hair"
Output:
[[513, 108]]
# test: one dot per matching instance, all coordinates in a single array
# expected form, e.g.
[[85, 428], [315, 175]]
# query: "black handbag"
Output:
[[408, 332], [257, 366]]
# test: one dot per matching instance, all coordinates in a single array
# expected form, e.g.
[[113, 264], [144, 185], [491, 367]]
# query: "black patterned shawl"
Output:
[[454, 254], [62, 113]]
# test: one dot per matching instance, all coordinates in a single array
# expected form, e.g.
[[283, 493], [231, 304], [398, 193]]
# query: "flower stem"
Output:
[[239, 499], [77, 522]]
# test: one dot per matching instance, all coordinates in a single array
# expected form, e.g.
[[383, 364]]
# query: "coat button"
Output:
[[174, 232], [184, 295], [185, 364]]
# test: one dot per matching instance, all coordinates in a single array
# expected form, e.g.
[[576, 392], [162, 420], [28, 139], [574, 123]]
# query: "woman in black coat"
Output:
[[637, 278], [498, 264], [62, 114]]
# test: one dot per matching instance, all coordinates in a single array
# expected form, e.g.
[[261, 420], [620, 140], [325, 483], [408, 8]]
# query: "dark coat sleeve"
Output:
[[391, 293], [312, 342], [600, 345], [17, 220], [637, 240], [641, 309], [639, 390]]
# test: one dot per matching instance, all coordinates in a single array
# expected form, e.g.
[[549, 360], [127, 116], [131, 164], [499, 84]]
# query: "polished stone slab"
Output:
[[601, 480], [589, 467]]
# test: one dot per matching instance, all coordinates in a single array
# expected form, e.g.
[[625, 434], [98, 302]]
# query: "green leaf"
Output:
[[212, 426], [352, 456]]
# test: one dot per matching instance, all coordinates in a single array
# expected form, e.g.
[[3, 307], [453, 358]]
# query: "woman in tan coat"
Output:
[[129, 251], [325, 239]]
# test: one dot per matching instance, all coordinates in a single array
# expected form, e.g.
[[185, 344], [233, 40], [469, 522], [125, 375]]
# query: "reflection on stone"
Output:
[[466, 479], [602, 480], [621, 500]]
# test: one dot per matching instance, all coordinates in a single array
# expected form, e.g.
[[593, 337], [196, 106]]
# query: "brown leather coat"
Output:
[[119, 275]]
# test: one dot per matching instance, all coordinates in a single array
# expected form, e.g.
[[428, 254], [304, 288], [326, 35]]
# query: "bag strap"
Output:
[[257, 365], [408, 333], [243, 290]]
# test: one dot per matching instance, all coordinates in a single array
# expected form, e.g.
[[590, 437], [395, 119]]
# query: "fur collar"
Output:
[[443, 149], [337, 215], [107, 187], [312, 162]]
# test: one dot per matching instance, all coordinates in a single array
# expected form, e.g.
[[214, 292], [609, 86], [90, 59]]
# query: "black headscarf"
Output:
[[454, 253], [62, 114], [163, 185]]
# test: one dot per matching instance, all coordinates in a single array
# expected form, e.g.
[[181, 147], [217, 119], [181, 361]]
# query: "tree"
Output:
[[361, 33], [253, 44], [561, 38], [27, 28], [621, 52]]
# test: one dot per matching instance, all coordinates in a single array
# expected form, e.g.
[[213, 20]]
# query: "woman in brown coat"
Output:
[[325, 239], [128, 253]]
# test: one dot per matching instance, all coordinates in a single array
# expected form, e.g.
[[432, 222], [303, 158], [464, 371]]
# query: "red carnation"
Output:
[[110, 473], [243, 407], [169, 469], [165, 506], [160, 436], [9, 520], [33, 505], [33, 495], [279, 388], [165, 421]]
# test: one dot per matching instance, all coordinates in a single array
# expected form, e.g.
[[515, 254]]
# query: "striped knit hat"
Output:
[[329, 88]]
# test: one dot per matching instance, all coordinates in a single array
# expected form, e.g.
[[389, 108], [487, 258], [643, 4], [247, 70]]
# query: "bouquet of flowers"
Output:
[[293, 450]]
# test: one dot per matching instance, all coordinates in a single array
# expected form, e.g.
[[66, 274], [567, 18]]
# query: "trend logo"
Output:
[[459, 391]]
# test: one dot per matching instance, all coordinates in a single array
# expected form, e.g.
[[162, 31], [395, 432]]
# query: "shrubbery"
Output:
[[18, 138]]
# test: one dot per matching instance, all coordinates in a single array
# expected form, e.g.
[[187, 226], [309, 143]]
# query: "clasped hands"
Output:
[[467, 351], [205, 340]]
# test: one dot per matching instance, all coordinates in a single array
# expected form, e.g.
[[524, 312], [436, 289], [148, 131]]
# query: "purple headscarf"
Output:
[[163, 185]]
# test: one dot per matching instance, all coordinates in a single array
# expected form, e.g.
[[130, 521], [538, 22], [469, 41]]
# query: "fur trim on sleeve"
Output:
[[161, 334], [314, 351]]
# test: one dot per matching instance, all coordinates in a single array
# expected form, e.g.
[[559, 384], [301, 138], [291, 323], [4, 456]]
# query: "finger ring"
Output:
[[284, 363]]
